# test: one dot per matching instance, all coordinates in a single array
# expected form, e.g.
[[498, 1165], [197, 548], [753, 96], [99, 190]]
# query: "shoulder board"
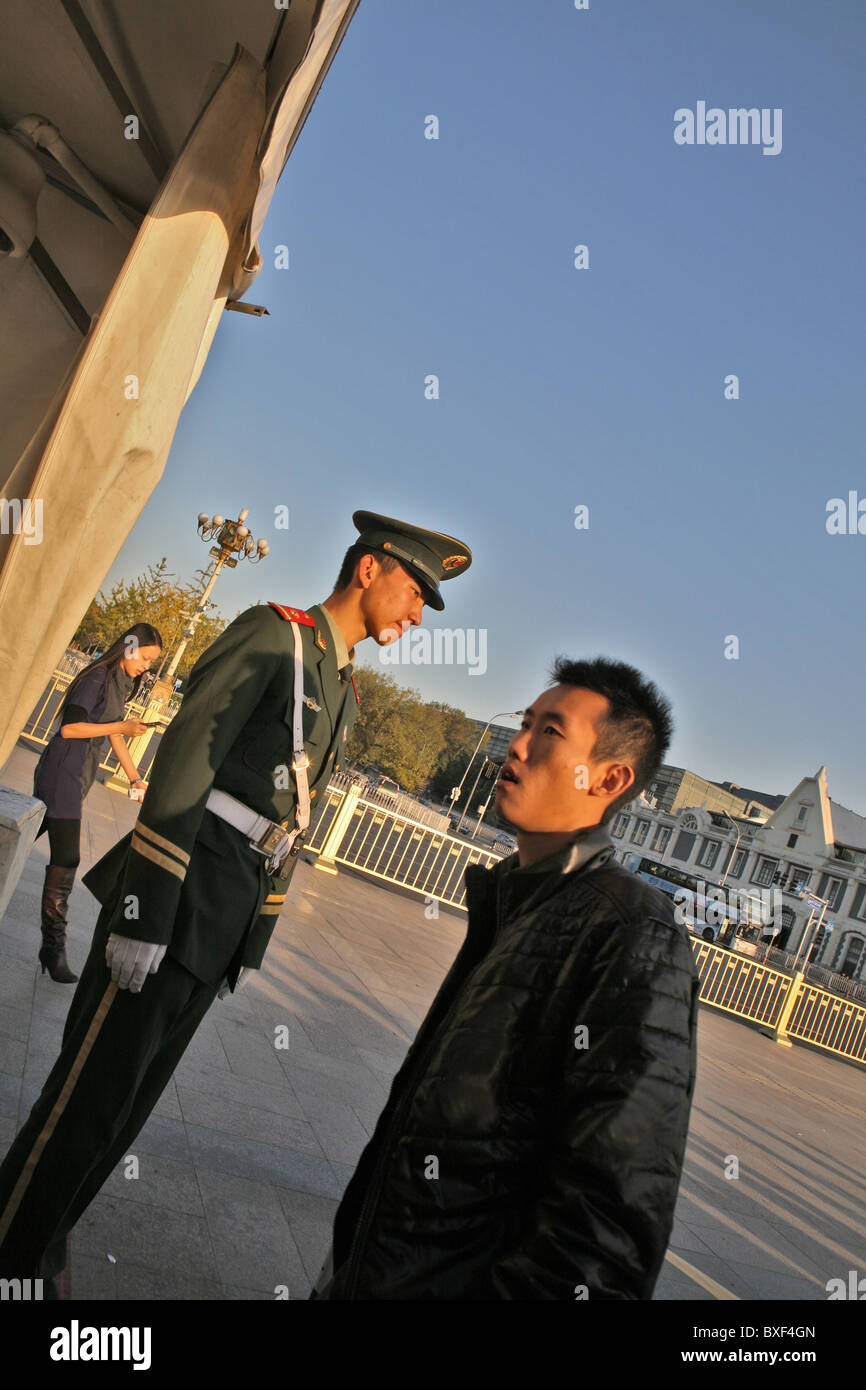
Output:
[[292, 615]]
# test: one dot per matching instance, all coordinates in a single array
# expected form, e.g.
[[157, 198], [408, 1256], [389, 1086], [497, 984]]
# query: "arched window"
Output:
[[849, 957], [689, 823], [789, 917]]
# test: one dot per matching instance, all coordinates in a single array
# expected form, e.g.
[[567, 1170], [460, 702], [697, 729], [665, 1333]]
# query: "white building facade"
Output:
[[809, 840]]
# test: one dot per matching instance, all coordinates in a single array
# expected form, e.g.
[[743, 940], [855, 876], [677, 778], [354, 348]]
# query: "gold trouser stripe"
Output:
[[144, 849], [717, 1290], [59, 1106], [275, 898], [162, 842]]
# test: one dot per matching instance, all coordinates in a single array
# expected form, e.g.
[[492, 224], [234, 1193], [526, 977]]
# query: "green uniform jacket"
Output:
[[185, 877]]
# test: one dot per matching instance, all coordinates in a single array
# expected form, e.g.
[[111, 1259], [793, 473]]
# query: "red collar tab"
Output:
[[292, 615], [355, 688]]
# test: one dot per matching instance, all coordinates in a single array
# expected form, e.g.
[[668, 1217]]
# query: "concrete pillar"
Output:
[[20, 819]]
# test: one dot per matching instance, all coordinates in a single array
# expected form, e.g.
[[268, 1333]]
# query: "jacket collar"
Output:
[[328, 624], [326, 662], [508, 889], [587, 845]]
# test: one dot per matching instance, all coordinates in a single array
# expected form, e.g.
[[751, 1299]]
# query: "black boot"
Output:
[[55, 896]]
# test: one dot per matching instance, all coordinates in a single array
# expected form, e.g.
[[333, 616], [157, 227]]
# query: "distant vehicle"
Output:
[[706, 908], [748, 948], [386, 786]]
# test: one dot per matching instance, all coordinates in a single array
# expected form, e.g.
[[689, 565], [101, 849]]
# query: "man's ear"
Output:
[[617, 779], [367, 568]]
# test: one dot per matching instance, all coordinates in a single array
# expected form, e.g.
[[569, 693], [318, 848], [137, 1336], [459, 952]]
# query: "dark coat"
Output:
[[517, 1157], [185, 877], [68, 766]]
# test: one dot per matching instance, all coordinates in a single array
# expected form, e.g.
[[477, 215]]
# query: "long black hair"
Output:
[[145, 635]]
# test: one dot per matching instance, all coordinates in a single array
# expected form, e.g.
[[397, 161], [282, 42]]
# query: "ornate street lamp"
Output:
[[234, 543]]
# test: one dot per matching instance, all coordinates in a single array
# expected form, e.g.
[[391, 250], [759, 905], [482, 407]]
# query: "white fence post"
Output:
[[779, 1034], [327, 860]]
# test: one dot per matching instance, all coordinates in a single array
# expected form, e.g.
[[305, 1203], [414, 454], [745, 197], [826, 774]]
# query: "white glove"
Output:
[[245, 972], [131, 961]]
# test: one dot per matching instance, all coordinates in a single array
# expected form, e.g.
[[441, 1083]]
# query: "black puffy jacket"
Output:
[[532, 1143]]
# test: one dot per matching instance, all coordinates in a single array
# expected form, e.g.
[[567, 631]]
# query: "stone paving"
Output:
[[243, 1161]]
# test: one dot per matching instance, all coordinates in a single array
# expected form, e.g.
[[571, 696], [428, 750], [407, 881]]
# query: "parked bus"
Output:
[[706, 908]]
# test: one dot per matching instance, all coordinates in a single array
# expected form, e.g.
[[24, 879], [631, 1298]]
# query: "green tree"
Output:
[[153, 597], [406, 737]]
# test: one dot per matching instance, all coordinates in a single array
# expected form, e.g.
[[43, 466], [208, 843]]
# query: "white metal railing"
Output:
[[816, 974], [401, 802], [788, 1004], [354, 830], [738, 984]]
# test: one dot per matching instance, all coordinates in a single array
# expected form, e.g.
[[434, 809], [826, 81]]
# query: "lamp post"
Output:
[[736, 845], [234, 543], [780, 1033], [727, 931], [481, 812], [455, 794], [814, 903]]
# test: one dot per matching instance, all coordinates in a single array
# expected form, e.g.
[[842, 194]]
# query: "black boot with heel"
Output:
[[55, 896]]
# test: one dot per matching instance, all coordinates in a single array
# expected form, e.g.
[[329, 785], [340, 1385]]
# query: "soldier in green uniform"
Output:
[[191, 896]]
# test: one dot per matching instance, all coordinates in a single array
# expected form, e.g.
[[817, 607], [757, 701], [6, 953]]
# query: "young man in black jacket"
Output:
[[533, 1140]]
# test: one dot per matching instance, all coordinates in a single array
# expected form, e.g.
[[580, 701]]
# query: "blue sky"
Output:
[[560, 387]]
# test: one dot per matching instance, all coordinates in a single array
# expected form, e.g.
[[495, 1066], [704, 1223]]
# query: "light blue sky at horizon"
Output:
[[561, 387]]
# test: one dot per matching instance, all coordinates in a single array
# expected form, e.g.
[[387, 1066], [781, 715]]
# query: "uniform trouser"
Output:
[[119, 1051]]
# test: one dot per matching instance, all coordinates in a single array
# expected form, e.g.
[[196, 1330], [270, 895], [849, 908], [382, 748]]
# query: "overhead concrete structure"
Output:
[[140, 146]]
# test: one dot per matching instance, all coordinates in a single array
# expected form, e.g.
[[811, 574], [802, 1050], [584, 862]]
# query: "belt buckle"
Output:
[[268, 843], [283, 868]]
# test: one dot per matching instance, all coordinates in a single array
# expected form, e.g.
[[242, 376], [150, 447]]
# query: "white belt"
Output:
[[265, 836]]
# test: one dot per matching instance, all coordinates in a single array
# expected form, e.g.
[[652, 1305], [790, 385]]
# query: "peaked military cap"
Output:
[[429, 555]]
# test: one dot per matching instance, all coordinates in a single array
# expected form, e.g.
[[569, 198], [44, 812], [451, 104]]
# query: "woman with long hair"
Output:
[[91, 716]]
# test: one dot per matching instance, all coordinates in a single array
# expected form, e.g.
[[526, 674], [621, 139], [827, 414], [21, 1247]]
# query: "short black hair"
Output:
[[638, 727], [350, 561]]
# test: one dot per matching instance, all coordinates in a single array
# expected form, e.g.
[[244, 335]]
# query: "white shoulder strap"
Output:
[[300, 761]]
